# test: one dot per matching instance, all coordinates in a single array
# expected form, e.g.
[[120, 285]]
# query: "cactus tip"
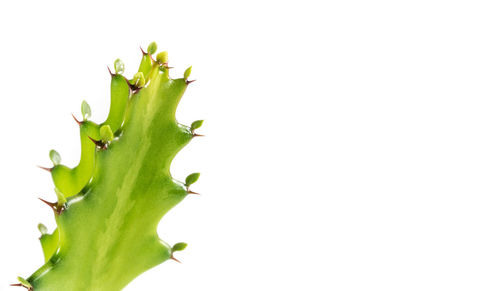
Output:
[[162, 57], [152, 48], [138, 81], [86, 111], [195, 125], [119, 66], [106, 133], [42, 228], [191, 179], [55, 157], [187, 73], [179, 247]]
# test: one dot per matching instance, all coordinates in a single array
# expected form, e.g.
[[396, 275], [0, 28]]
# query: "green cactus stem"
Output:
[[109, 206]]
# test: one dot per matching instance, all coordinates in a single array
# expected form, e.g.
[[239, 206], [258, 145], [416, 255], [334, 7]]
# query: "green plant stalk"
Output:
[[109, 206]]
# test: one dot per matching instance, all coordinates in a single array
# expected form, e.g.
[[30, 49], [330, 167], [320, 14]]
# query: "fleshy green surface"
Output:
[[120, 190]]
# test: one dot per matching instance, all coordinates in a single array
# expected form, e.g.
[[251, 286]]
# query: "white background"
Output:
[[350, 145]]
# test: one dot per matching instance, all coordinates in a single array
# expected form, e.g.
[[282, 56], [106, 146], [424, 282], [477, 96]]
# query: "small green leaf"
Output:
[[55, 157], [106, 133], [191, 179], [162, 57], [152, 48], [187, 73], [42, 228], [86, 112], [61, 199], [139, 80], [196, 124], [119, 66], [179, 246], [24, 282]]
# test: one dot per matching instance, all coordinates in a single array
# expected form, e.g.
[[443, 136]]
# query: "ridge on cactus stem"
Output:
[[108, 206]]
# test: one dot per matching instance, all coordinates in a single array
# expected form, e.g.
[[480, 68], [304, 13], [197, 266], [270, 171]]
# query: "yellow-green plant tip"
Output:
[[191, 179], [138, 80], [152, 48], [196, 124], [179, 247], [24, 282], [162, 57], [86, 112], [106, 133], [42, 228], [55, 157], [61, 199], [119, 66], [187, 73]]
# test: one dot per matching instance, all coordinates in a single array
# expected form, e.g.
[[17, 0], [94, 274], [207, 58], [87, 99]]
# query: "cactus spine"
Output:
[[109, 205]]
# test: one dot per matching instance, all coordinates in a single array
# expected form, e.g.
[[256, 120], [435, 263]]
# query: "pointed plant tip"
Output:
[[106, 133], [86, 111], [162, 57], [192, 192], [42, 228], [196, 124], [55, 157], [191, 179], [179, 246], [187, 73], [139, 81], [119, 66], [152, 47], [61, 199]]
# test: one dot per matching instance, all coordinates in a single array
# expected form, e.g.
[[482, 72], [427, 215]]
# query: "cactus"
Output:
[[109, 205]]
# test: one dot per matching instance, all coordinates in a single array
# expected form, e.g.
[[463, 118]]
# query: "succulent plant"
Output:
[[108, 207]]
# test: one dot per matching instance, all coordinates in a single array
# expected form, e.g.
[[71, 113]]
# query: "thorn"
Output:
[[51, 204], [94, 141], [21, 285], [189, 82], [99, 143], [79, 122], [134, 89], [173, 258], [57, 208], [195, 135], [191, 192], [46, 169], [111, 73]]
